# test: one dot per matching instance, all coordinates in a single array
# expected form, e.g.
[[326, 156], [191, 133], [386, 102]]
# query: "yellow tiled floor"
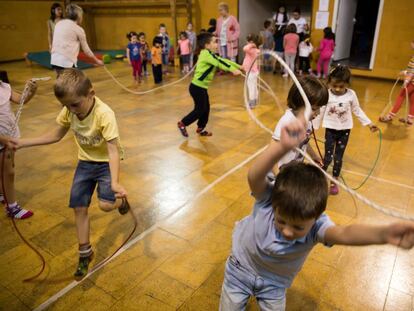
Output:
[[179, 263]]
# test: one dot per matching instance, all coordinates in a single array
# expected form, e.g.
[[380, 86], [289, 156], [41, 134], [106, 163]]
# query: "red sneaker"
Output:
[[17, 212], [334, 189], [182, 129]]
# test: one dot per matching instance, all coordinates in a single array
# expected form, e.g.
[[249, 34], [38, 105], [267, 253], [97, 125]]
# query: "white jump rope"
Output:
[[308, 112]]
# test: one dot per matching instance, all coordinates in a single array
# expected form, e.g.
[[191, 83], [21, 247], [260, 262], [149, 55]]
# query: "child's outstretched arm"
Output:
[[113, 153], [223, 64], [16, 97], [50, 137], [290, 137], [360, 114], [399, 234]]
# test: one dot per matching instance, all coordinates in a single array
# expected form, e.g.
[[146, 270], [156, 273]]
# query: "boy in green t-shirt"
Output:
[[94, 126], [206, 67]]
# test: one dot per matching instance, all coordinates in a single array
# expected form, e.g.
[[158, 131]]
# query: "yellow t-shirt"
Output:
[[92, 133]]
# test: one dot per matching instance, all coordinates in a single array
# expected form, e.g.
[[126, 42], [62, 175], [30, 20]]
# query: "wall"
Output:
[[253, 13], [111, 29], [29, 32], [395, 34]]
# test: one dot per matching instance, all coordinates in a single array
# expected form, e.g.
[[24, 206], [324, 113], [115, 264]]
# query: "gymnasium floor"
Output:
[[176, 258]]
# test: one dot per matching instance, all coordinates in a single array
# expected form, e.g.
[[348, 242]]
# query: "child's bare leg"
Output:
[[85, 248], [8, 176], [13, 209], [82, 224]]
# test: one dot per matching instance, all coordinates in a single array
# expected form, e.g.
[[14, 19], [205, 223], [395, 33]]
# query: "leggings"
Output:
[[304, 64], [335, 144], [323, 63], [252, 86], [136, 68], [401, 98], [290, 61], [201, 109], [144, 65]]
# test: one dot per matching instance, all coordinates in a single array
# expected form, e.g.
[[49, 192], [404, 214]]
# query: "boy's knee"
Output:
[[106, 206], [81, 210]]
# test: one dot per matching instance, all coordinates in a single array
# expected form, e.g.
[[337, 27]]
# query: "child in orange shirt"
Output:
[[156, 52]]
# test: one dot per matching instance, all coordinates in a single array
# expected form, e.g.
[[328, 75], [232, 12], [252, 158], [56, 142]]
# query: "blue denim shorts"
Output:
[[239, 284], [87, 175]]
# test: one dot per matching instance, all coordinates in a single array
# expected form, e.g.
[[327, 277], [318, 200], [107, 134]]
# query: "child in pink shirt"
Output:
[[185, 51], [290, 45], [326, 50], [251, 68]]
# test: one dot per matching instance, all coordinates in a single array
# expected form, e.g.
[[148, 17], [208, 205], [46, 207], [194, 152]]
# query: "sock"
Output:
[[85, 250], [12, 205]]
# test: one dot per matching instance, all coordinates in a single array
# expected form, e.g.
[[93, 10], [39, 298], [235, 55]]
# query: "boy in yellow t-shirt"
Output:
[[97, 137]]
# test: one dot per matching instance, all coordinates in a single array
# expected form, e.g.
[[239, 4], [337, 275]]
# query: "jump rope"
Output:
[[12, 132], [266, 88], [23, 98], [390, 100], [308, 112]]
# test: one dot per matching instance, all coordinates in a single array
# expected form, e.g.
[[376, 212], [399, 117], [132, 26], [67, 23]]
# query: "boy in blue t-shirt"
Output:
[[270, 245]]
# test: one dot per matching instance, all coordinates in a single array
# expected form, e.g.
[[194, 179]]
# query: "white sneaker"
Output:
[[285, 75]]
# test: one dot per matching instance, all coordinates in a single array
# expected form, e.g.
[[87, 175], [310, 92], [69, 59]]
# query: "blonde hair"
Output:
[[74, 12], [223, 5], [72, 82]]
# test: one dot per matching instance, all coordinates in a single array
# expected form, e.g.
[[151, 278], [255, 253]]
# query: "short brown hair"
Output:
[[300, 192], [252, 37], [291, 28], [315, 90], [340, 73], [72, 81]]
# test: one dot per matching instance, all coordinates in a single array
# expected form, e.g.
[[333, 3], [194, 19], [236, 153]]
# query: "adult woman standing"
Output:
[[68, 37], [56, 15], [227, 32], [280, 18]]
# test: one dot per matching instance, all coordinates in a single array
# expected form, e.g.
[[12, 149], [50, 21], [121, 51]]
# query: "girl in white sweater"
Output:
[[336, 118]]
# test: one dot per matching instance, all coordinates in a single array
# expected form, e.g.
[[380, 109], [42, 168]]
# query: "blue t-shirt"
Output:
[[134, 51], [261, 248]]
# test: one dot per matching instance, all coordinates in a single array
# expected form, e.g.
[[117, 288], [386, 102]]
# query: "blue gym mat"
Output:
[[43, 58]]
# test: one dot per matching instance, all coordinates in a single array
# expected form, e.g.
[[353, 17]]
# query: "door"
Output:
[[344, 28]]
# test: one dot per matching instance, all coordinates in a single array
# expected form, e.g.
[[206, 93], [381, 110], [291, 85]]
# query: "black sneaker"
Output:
[[83, 267], [125, 207]]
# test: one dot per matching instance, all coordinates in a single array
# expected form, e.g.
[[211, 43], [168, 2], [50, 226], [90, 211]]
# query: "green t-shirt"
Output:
[[207, 65]]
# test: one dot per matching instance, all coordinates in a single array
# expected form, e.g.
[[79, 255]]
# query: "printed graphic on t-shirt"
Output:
[[340, 111], [135, 50], [94, 140]]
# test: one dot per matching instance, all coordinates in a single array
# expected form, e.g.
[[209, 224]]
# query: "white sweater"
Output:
[[337, 114], [67, 39]]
